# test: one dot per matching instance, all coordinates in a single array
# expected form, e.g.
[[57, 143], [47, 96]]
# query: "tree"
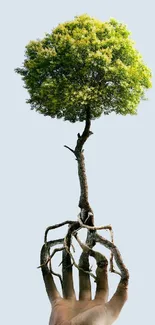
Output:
[[82, 69]]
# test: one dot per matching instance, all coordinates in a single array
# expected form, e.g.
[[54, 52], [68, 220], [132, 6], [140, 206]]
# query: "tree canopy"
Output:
[[85, 63]]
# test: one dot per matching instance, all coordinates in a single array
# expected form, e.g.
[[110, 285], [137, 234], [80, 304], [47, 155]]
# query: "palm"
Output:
[[79, 312]]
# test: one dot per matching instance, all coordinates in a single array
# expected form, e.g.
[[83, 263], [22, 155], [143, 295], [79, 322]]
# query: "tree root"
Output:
[[74, 227], [69, 222]]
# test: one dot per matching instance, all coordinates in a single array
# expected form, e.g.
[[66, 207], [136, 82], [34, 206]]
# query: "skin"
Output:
[[67, 310]]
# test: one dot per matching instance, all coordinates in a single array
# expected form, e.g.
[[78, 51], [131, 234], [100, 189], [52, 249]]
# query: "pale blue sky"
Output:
[[39, 184]]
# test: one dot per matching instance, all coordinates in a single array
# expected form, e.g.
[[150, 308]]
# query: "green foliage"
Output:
[[85, 63]]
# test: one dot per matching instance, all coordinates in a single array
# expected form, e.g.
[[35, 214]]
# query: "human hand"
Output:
[[67, 310]]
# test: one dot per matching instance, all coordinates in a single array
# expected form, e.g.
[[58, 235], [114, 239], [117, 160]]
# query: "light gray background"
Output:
[[39, 184]]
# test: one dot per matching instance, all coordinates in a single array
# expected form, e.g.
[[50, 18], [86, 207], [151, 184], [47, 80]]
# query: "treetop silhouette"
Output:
[[85, 63]]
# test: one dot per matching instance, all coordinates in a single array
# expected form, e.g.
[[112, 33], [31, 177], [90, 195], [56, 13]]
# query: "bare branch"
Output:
[[69, 222], [70, 149]]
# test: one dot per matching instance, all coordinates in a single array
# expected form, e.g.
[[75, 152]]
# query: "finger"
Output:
[[50, 286], [120, 296], [84, 278], [68, 286], [102, 289], [118, 300]]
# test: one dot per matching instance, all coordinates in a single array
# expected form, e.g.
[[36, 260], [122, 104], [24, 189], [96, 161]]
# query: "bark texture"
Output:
[[68, 304]]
